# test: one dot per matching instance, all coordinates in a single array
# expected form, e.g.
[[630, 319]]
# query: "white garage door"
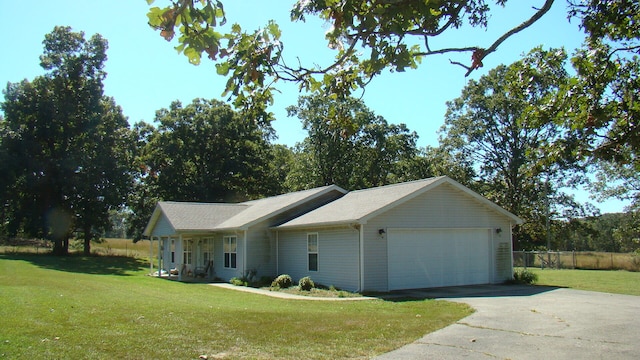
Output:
[[420, 258]]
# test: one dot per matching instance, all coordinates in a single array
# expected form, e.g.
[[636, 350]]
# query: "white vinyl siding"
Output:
[[337, 259], [163, 227], [261, 255]]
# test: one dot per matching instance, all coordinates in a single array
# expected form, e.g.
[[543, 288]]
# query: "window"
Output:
[[229, 245], [188, 245], [207, 251], [312, 251]]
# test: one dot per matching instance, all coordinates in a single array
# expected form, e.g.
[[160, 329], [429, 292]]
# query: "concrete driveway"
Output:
[[524, 322]]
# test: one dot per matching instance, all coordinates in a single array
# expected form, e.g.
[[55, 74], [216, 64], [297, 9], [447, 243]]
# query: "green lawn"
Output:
[[611, 281], [105, 308]]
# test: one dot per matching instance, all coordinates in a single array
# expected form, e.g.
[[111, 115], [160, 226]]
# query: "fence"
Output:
[[577, 260]]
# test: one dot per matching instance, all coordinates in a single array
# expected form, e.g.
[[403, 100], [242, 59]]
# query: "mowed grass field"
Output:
[[104, 307], [611, 281]]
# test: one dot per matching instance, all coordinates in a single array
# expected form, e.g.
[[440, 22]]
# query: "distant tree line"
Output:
[[72, 166]]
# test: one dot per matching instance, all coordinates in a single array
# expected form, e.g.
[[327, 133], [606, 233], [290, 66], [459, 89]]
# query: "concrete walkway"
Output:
[[283, 295], [524, 322]]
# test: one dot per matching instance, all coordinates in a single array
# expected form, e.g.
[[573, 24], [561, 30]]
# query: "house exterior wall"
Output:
[[442, 207], [218, 255], [163, 227], [338, 259], [261, 254]]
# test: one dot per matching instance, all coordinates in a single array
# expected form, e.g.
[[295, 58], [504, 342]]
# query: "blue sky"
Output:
[[146, 74]]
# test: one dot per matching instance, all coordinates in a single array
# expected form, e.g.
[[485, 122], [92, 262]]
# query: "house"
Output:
[[427, 233]]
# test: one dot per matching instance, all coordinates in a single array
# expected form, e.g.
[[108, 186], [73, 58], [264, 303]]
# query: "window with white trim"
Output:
[[186, 253], [207, 250], [230, 244], [312, 251]]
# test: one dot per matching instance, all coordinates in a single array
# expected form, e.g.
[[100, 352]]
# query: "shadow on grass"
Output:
[[97, 265], [470, 291]]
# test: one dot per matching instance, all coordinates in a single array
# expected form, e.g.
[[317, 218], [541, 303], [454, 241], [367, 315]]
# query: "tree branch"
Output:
[[543, 10]]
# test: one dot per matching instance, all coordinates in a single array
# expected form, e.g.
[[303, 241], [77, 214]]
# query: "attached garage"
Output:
[[424, 258], [419, 234]]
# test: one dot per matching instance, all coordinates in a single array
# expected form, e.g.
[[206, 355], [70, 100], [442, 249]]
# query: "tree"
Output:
[[202, 152], [206, 152], [437, 161], [69, 165], [394, 34], [602, 102], [104, 176], [365, 154], [502, 123]]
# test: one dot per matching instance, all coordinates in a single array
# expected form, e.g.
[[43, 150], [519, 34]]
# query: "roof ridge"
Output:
[[433, 178], [201, 203], [289, 193]]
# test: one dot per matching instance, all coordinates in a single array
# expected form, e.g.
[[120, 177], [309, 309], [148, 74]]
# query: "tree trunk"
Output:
[[87, 242], [58, 249], [61, 246]]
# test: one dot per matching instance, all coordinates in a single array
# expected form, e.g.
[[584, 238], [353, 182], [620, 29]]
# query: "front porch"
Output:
[[188, 259]]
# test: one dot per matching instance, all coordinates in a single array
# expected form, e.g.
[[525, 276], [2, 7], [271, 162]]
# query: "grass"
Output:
[[611, 281], [104, 308]]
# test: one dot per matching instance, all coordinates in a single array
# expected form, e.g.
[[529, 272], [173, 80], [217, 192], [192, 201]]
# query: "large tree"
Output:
[[201, 152], [503, 122], [206, 152], [366, 151], [64, 138]]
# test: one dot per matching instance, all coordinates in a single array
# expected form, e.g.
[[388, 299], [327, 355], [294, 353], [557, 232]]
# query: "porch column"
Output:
[[160, 257], [180, 256], [150, 255]]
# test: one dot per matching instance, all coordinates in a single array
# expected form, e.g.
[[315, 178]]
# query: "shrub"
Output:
[[283, 281], [524, 276], [238, 282], [306, 284]]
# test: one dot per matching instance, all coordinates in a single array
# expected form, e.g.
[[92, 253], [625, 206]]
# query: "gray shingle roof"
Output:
[[261, 209], [359, 206], [186, 216], [356, 205], [192, 216]]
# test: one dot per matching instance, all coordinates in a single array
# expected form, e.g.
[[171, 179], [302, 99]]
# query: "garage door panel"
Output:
[[435, 258]]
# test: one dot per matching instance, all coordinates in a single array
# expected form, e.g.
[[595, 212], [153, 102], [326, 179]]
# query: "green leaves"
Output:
[[396, 33], [69, 143]]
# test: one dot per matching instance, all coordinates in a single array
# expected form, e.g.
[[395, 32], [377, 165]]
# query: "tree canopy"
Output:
[[366, 154], [66, 144], [367, 36], [504, 122]]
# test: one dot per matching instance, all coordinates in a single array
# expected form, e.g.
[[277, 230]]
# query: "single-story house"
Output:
[[426, 233]]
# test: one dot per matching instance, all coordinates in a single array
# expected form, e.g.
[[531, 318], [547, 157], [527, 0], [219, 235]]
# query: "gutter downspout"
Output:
[[511, 249], [361, 258], [277, 252]]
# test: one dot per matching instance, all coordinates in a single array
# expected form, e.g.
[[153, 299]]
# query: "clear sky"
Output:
[[146, 74]]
